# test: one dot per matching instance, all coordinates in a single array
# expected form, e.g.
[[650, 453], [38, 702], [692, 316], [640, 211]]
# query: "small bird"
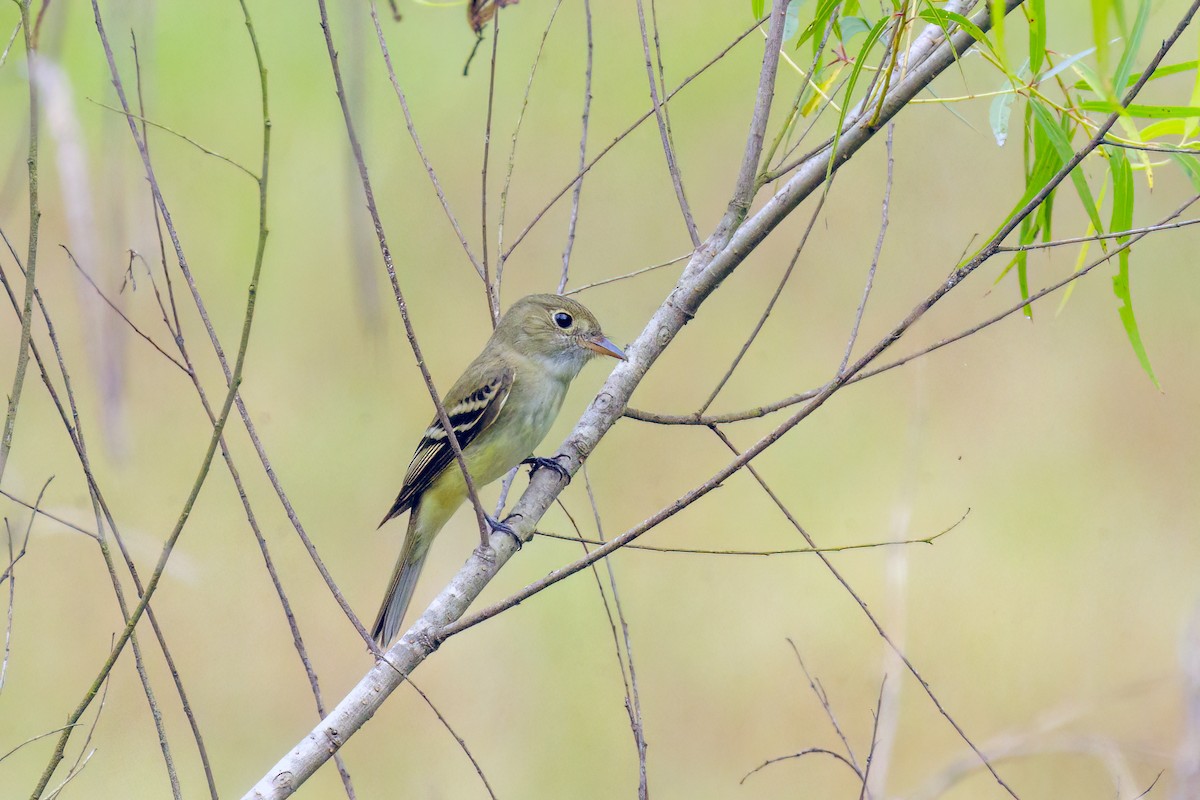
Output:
[[501, 409]]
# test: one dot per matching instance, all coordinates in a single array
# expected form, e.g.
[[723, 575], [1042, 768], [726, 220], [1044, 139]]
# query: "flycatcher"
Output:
[[500, 409]]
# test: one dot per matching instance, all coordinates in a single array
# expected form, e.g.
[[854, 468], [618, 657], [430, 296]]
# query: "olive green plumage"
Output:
[[500, 409]]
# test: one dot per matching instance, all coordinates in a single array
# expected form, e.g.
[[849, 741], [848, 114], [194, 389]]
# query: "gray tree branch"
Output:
[[709, 266]]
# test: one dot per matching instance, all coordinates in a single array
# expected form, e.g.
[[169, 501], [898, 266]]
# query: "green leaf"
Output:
[[1100, 28], [1125, 65], [998, 14], [1037, 34], [1164, 127], [1000, 110], [1065, 64], [791, 19], [1046, 163], [1164, 71], [1141, 110], [999, 114], [849, 27], [1190, 166], [1062, 144], [1122, 219], [944, 20], [815, 30], [758, 8]]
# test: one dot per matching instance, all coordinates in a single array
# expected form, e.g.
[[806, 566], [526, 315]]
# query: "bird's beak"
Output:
[[604, 346]]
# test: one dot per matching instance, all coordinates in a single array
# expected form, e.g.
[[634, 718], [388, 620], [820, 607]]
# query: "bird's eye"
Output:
[[562, 319]]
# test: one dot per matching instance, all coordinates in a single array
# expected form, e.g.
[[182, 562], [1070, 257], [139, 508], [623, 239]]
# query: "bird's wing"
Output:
[[472, 405]]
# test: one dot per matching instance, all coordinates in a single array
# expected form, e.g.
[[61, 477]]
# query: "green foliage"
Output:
[[1058, 114]]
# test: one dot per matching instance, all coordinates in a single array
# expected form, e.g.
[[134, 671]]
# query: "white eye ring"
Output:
[[562, 319]]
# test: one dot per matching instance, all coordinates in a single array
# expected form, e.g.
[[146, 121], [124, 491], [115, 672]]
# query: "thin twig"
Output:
[[870, 616], [635, 273], [883, 226], [660, 114], [48, 515], [178, 135], [808, 752], [783, 552], [587, 107], [623, 135], [491, 289], [866, 776], [762, 319], [446, 724], [512, 152], [770, 408], [100, 293], [35, 216], [412, 132], [11, 575], [632, 698], [823, 699], [1097, 237], [8, 47]]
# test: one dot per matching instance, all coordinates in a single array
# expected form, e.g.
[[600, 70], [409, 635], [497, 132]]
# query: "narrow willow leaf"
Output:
[[945, 19], [1122, 219], [1142, 110], [849, 27], [1100, 29], [1046, 163], [1193, 124], [815, 30], [1000, 113], [1125, 120], [758, 8], [815, 98], [1164, 127], [1027, 234], [1164, 71], [1190, 166], [791, 19], [998, 15], [1125, 65], [1066, 63], [1037, 34], [1062, 144]]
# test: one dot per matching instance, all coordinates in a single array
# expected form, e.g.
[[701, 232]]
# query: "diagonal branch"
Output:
[[709, 266]]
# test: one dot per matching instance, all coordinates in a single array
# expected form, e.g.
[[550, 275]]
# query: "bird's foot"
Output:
[[497, 526], [538, 462]]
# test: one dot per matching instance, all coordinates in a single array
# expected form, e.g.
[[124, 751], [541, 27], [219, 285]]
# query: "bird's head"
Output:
[[558, 331]]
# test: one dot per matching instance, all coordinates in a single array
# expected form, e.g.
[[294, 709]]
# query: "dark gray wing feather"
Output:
[[469, 417]]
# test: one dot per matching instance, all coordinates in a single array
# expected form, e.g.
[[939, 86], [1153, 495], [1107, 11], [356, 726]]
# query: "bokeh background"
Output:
[[1052, 620]]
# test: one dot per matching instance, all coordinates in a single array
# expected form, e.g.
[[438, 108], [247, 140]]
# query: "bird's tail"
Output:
[[400, 590]]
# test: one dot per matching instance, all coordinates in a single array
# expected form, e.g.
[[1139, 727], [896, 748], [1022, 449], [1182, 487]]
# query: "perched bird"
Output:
[[500, 409]]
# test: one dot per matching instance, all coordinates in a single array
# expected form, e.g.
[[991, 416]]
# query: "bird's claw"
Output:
[[497, 526], [538, 462]]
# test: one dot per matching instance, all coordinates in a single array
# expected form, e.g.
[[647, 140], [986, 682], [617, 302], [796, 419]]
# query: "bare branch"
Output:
[[35, 216], [622, 135], [587, 107], [883, 225], [412, 132], [664, 128]]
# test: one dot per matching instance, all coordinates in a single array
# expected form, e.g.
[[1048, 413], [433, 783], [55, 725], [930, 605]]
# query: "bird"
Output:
[[500, 409]]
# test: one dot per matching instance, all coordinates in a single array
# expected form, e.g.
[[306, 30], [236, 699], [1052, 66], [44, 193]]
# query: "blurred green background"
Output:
[[1052, 619]]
